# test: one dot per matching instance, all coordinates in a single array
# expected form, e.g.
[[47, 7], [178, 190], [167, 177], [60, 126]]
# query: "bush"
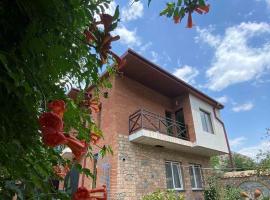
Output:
[[164, 195], [212, 193], [216, 191], [231, 193]]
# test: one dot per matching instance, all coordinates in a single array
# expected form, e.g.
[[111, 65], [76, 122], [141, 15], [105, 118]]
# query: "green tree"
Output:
[[241, 163], [263, 157]]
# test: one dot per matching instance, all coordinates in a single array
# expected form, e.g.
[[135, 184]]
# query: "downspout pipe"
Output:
[[227, 141]]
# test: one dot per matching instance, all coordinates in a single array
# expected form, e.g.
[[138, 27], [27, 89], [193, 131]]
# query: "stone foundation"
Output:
[[141, 170]]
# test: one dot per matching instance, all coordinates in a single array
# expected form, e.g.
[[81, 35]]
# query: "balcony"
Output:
[[149, 128]]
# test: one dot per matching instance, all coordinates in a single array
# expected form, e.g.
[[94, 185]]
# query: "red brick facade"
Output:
[[127, 171]]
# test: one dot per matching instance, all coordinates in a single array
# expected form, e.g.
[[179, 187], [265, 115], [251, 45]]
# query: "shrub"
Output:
[[231, 193], [164, 195], [212, 193]]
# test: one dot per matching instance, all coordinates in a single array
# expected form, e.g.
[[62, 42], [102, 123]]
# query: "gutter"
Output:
[[227, 141]]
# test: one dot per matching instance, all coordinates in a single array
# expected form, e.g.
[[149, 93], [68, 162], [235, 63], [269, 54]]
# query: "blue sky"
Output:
[[226, 55]]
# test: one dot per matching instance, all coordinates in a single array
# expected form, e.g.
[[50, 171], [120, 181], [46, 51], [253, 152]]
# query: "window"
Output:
[[196, 177], [173, 176], [206, 121]]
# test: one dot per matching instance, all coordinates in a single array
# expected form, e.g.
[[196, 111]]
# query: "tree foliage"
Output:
[[241, 163], [44, 51]]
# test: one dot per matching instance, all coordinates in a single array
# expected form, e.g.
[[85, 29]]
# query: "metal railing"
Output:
[[143, 119]]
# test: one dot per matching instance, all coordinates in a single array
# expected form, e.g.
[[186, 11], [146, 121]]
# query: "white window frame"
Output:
[[211, 128], [179, 172], [195, 180]]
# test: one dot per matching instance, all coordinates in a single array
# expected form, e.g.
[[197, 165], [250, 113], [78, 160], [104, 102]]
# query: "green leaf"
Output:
[[201, 2], [116, 13], [148, 4]]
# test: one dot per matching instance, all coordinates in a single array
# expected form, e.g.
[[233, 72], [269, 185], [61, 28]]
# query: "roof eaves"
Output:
[[188, 86]]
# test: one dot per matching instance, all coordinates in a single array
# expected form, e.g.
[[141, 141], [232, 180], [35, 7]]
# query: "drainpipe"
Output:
[[227, 141]]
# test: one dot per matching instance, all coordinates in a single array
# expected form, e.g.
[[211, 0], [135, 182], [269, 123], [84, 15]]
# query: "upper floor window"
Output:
[[206, 121], [174, 175], [196, 177]]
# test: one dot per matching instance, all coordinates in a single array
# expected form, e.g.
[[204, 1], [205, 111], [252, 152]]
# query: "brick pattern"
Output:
[[137, 169], [141, 170]]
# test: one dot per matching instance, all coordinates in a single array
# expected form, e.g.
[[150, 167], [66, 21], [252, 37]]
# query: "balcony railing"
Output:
[[143, 119]]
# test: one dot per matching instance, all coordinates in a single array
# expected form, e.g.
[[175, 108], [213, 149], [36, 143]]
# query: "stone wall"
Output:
[[141, 170], [248, 181]]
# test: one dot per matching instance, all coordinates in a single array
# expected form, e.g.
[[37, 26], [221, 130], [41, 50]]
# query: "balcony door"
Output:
[[179, 118], [169, 123]]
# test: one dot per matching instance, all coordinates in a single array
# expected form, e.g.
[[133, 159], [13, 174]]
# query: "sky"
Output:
[[226, 55]]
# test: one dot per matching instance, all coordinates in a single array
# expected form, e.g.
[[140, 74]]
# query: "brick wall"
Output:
[[141, 169]]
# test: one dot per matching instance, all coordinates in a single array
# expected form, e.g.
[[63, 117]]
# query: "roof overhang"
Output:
[[149, 74]]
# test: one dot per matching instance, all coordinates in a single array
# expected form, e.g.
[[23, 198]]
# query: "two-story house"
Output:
[[162, 130]]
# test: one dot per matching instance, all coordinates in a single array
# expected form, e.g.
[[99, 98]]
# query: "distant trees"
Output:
[[241, 163]]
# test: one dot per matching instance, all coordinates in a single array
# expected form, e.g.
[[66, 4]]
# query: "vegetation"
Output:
[[164, 195], [43, 52], [241, 163], [216, 191], [47, 47], [264, 158]]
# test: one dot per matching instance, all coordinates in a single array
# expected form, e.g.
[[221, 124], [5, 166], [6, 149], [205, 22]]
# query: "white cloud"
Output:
[[205, 35], [186, 73], [237, 142], [132, 11], [223, 99], [235, 61], [110, 10], [154, 57], [253, 151], [243, 107], [266, 1], [146, 46], [128, 37]]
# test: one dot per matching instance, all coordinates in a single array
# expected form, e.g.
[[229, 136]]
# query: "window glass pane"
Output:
[[203, 120], [176, 176], [206, 121], [209, 124], [198, 176], [192, 180], [169, 179]]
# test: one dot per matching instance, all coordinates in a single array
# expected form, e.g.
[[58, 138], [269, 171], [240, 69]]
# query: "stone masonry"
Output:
[[141, 170]]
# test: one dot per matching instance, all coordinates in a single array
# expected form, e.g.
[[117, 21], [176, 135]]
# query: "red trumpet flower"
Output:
[[94, 138], [51, 120], [94, 105], [177, 19], [57, 107], [78, 148], [53, 138], [106, 20], [51, 128], [189, 23], [81, 194], [202, 9]]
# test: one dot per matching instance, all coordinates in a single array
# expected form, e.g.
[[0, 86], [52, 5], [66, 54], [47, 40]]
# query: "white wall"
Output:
[[216, 140]]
